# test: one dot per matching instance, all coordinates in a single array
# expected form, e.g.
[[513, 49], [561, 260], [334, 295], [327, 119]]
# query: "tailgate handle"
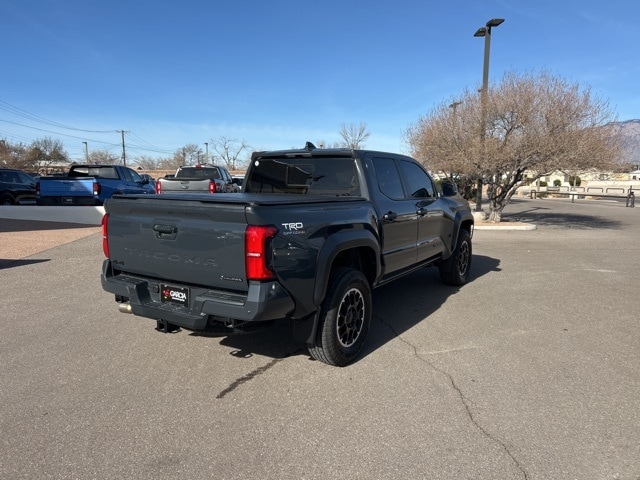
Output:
[[165, 231]]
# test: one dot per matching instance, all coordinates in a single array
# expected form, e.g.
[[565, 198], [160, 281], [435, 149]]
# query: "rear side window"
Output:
[[388, 176], [9, 177]]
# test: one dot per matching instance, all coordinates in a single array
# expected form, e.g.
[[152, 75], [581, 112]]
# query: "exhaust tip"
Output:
[[124, 307]]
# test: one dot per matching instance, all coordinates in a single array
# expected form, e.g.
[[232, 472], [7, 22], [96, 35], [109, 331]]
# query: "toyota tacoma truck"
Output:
[[198, 179], [90, 185], [312, 234]]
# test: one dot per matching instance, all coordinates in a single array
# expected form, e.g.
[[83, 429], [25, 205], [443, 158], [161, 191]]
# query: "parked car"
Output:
[[198, 179], [90, 185], [238, 180], [150, 180], [16, 187]]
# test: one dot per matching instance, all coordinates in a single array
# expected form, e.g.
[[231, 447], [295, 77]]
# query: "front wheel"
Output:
[[345, 318], [455, 269]]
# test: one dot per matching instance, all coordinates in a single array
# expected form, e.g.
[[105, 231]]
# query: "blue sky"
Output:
[[278, 73]]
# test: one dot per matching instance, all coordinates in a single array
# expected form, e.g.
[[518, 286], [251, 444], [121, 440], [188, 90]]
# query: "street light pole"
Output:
[[86, 152], [486, 33], [206, 160]]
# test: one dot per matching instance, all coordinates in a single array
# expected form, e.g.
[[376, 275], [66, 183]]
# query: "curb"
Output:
[[480, 218], [504, 226], [81, 215]]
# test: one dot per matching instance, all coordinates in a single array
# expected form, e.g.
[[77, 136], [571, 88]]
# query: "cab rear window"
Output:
[[324, 176]]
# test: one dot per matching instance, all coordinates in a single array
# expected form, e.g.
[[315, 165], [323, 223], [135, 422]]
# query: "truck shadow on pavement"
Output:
[[397, 307], [9, 263], [541, 216], [403, 304]]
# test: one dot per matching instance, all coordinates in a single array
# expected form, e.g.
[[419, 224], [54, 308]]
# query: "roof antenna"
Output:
[[309, 146]]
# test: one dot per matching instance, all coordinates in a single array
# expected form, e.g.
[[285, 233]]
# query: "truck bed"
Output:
[[182, 238]]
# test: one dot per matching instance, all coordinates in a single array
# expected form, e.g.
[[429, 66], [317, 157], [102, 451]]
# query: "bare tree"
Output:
[[15, 156], [230, 151], [104, 157], [47, 153], [533, 124], [190, 154], [354, 136], [148, 163]]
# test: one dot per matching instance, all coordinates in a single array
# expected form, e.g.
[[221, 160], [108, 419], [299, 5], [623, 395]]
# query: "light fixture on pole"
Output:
[[486, 33]]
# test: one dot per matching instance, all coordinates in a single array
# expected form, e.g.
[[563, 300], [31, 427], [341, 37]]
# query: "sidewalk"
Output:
[[22, 238]]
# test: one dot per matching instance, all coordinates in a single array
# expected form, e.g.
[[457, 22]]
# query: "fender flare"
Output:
[[305, 329], [460, 218], [335, 244]]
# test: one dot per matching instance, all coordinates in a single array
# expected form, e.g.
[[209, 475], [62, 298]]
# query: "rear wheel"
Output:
[[455, 269], [7, 200], [344, 319]]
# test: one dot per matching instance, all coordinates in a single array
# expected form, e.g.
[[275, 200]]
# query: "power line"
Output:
[[92, 140], [138, 144], [55, 133], [150, 147], [30, 116]]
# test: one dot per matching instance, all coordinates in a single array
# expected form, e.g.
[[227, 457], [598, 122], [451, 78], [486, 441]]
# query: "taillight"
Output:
[[96, 188], [256, 242], [212, 186], [105, 231], [158, 187], [37, 188]]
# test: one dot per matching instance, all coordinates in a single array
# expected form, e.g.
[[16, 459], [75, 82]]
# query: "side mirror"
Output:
[[449, 189]]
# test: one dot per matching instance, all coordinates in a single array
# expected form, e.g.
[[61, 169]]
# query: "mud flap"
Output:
[[304, 330]]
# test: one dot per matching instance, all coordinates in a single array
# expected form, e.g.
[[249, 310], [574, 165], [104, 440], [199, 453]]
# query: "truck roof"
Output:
[[311, 150]]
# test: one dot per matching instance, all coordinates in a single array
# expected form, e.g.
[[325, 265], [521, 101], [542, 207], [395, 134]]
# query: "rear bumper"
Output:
[[263, 301], [72, 201]]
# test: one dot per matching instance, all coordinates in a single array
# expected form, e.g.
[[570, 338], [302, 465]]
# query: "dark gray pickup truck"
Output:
[[313, 232]]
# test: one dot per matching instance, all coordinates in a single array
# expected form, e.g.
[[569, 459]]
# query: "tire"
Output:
[[345, 318], [7, 200], [455, 269]]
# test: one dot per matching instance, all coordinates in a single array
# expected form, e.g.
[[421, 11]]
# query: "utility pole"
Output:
[[206, 160], [124, 154], [86, 152]]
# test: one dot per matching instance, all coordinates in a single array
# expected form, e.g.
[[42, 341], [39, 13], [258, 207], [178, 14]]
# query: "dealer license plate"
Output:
[[174, 295]]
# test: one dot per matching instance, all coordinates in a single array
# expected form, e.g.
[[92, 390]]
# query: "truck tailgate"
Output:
[[68, 187], [185, 240], [184, 185]]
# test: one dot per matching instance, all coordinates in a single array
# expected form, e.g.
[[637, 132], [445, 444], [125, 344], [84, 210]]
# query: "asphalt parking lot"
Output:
[[530, 371]]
